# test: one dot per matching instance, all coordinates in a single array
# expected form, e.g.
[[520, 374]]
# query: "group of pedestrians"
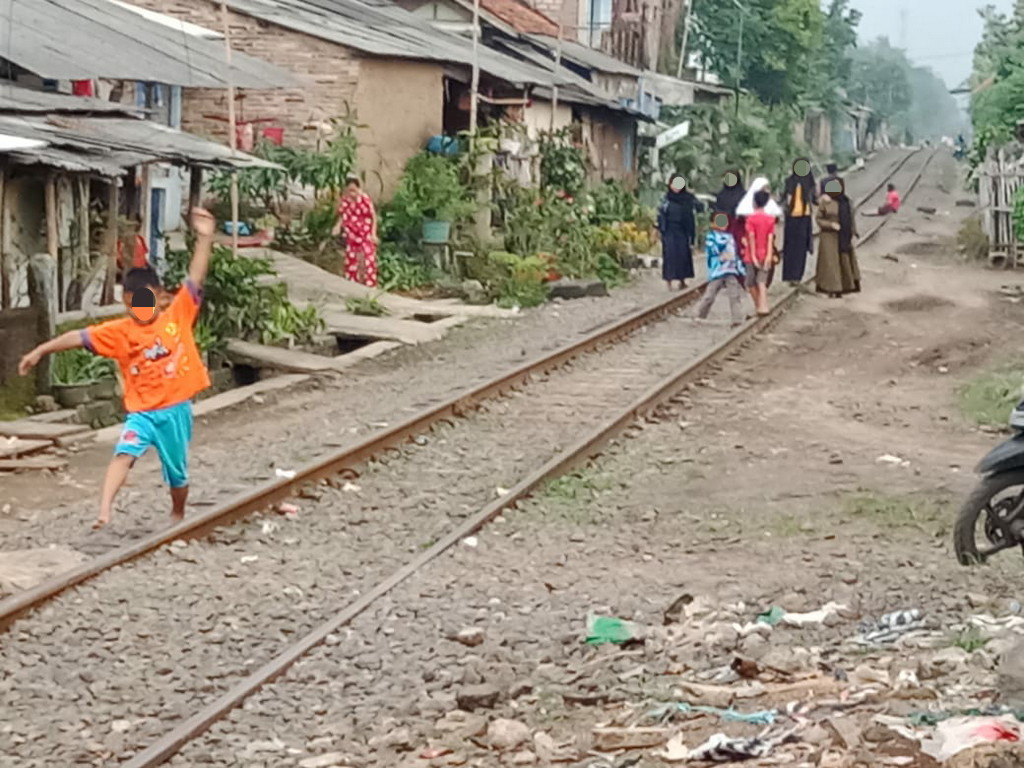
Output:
[[742, 246]]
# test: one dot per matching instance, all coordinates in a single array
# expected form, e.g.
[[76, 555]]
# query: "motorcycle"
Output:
[[997, 503]]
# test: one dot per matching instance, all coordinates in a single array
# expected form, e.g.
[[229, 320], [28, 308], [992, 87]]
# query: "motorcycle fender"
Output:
[[1005, 457]]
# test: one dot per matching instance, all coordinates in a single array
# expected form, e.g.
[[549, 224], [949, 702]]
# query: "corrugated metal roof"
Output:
[[87, 39], [108, 145], [381, 28], [15, 98], [579, 90], [588, 57]]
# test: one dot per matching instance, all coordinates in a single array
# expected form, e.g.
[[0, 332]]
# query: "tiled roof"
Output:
[[519, 15]]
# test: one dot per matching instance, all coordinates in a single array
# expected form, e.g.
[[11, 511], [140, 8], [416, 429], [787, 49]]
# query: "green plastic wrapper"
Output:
[[602, 630]]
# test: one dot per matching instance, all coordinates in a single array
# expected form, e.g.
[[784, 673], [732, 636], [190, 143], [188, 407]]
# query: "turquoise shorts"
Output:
[[169, 430]]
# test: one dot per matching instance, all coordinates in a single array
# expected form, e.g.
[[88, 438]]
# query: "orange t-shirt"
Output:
[[159, 362]]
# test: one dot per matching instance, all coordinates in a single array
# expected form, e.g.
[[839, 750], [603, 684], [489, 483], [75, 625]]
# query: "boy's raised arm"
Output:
[[69, 340], [203, 224]]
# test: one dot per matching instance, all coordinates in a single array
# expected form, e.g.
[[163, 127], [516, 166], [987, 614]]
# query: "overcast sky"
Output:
[[940, 34]]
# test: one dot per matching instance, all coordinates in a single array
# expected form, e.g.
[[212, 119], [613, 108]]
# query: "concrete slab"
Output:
[[64, 416], [308, 282], [33, 463], [281, 359], [25, 568], [339, 320], [13, 447], [28, 429]]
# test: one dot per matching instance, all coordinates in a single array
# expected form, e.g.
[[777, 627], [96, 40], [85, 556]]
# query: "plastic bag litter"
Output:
[[829, 611], [891, 627], [953, 736], [723, 749], [730, 715], [609, 629]]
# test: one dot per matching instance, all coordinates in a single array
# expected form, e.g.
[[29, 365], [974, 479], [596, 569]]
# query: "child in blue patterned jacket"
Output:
[[725, 269]]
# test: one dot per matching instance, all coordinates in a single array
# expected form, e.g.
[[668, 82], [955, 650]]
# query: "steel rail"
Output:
[[580, 453], [344, 460]]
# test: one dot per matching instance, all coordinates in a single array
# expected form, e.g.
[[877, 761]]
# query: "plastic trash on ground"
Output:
[[723, 749], [957, 734], [609, 629]]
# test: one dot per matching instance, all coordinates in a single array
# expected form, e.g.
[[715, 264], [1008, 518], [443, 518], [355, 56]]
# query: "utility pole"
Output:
[[232, 130], [686, 38], [474, 89]]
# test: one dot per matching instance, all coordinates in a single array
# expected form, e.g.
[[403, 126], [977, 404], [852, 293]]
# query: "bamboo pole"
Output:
[[557, 69], [6, 301], [474, 88], [110, 246], [232, 129], [53, 237], [686, 38]]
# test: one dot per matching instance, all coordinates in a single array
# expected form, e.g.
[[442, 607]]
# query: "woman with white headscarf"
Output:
[[746, 206]]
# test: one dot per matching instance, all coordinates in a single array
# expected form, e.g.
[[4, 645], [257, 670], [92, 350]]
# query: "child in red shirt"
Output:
[[892, 203], [759, 254], [161, 367]]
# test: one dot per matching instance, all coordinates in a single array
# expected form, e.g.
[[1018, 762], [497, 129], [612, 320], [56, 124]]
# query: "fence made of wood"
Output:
[[999, 178]]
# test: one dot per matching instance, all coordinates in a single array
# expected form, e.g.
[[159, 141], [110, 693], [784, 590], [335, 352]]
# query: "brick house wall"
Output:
[[329, 73], [400, 102]]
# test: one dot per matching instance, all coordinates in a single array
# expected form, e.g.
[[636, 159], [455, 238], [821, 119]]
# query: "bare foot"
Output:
[[101, 522], [177, 517]]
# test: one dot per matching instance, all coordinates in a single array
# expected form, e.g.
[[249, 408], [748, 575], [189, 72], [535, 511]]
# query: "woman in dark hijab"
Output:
[[838, 272], [727, 201], [678, 227], [797, 240]]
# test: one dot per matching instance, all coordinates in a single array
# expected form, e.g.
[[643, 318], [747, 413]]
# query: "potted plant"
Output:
[[104, 378], [72, 375], [432, 194]]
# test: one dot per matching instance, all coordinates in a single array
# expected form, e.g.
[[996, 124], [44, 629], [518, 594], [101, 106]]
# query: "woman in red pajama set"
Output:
[[358, 219]]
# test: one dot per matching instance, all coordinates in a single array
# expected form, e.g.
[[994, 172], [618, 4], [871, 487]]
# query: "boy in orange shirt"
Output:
[[160, 365]]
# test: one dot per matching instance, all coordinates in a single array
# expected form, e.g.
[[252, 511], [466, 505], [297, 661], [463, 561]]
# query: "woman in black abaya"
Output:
[[678, 226], [797, 240]]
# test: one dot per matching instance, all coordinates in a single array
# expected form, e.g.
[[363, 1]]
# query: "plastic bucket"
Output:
[[436, 232], [274, 135]]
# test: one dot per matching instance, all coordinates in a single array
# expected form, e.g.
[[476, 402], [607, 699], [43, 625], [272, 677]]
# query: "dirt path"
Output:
[[762, 487]]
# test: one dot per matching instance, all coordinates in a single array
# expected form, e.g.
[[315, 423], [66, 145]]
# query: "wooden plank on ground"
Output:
[[14, 447], [39, 430], [33, 463]]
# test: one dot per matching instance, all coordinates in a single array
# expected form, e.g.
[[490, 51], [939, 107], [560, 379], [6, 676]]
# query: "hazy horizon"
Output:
[[940, 34]]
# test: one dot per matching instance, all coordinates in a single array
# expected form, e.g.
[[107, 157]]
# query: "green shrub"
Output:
[[398, 272], [80, 366], [522, 280], [239, 303]]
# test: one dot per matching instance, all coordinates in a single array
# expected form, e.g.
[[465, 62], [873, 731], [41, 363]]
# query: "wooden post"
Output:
[[558, 67], [686, 38], [6, 300], [474, 88], [232, 130], [110, 242], [41, 279], [195, 189], [53, 237], [82, 272]]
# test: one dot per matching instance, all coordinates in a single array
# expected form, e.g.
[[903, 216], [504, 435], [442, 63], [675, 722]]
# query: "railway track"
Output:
[[188, 633]]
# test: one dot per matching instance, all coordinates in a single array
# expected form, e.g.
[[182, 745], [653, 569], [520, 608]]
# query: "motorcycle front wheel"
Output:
[[991, 512]]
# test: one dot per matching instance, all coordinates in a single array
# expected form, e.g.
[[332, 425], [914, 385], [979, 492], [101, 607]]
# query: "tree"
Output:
[[777, 36], [880, 79]]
